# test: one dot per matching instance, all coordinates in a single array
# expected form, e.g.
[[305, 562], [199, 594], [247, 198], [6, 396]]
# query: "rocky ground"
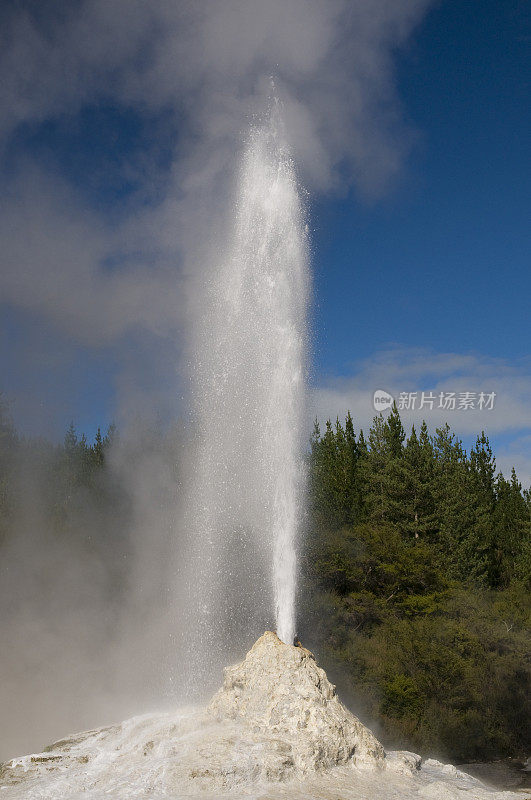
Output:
[[275, 729]]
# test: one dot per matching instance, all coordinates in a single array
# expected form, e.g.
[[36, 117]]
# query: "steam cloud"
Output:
[[193, 74], [196, 72]]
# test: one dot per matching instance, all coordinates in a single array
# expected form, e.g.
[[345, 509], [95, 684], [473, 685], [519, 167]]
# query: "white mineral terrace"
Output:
[[275, 729]]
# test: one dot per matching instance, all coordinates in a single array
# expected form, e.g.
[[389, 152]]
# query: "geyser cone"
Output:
[[279, 691], [276, 719]]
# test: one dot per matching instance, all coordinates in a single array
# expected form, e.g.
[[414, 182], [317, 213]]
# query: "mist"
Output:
[[92, 628]]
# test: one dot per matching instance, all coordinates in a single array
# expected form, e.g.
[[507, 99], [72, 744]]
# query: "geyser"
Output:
[[248, 368]]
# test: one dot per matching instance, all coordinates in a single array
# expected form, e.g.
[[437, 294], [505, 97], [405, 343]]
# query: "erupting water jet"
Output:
[[248, 369]]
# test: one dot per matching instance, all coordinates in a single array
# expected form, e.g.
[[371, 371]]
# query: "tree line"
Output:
[[417, 573], [425, 487], [59, 489]]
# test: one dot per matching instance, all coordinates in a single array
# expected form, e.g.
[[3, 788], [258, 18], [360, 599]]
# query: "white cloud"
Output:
[[332, 62], [416, 370], [53, 252]]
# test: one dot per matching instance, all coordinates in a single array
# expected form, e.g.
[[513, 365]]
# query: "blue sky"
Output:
[[420, 286], [444, 260]]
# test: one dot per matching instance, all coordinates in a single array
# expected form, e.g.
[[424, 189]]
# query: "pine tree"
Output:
[[419, 460], [455, 510], [483, 466], [388, 473], [374, 471], [512, 527], [355, 452], [323, 476], [346, 458], [361, 481], [393, 433], [70, 440], [479, 548], [343, 475], [111, 436], [334, 478], [98, 449]]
